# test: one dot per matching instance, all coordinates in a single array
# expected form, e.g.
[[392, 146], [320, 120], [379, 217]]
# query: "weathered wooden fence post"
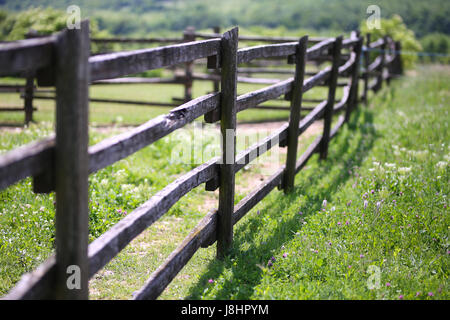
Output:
[[28, 99], [188, 35], [366, 76], [216, 83], [294, 118], [29, 86], [328, 113], [380, 69], [353, 94], [71, 163], [228, 56], [389, 50], [397, 65]]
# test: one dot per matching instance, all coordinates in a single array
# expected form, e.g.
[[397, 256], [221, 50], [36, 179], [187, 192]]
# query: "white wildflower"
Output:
[[403, 170], [441, 164]]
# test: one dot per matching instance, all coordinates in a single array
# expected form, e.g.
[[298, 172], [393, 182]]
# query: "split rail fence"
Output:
[[62, 163], [185, 77]]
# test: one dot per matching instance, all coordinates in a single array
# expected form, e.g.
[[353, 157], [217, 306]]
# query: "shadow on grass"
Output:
[[248, 253]]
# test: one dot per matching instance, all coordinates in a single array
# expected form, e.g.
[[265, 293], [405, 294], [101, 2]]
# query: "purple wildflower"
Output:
[[430, 294], [378, 205], [400, 297], [284, 255], [211, 281], [361, 256], [388, 284]]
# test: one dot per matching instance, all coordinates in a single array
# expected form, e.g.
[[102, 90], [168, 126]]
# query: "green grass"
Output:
[[395, 156], [406, 239]]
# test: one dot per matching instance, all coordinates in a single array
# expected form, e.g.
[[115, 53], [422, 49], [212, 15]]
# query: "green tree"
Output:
[[397, 30], [438, 45], [16, 26]]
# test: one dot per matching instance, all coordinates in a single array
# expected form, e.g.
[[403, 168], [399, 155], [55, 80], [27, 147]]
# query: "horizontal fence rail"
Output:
[[44, 160], [114, 65]]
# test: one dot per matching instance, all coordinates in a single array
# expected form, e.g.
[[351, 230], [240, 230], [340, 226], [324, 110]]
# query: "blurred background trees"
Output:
[[424, 25]]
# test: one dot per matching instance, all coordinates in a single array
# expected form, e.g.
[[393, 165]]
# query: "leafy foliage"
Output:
[[136, 16], [438, 43], [397, 30], [39, 21]]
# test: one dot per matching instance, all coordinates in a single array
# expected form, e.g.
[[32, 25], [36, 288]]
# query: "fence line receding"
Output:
[[62, 164]]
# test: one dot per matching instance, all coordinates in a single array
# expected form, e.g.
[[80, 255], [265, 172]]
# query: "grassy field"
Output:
[[371, 222], [384, 223]]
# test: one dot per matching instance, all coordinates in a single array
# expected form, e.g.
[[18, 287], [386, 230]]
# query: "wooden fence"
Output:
[[62, 163], [185, 77]]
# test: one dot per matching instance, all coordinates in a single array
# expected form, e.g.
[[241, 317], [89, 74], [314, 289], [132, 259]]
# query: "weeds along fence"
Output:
[[183, 75], [62, 163]]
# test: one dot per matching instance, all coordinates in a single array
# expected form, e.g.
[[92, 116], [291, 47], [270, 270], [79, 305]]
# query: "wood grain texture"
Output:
[[228, 111], [138, 80], [26, 55], [246, 55], [319, 78], [328, 112], [353, 94], [71, 160], [203, 35], [366, 56], [294, 117], [119, 64], [320, 49], [25, 161], [257, 97], [137, 40]]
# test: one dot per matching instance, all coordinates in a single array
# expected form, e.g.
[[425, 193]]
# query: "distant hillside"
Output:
[[120, 16]]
